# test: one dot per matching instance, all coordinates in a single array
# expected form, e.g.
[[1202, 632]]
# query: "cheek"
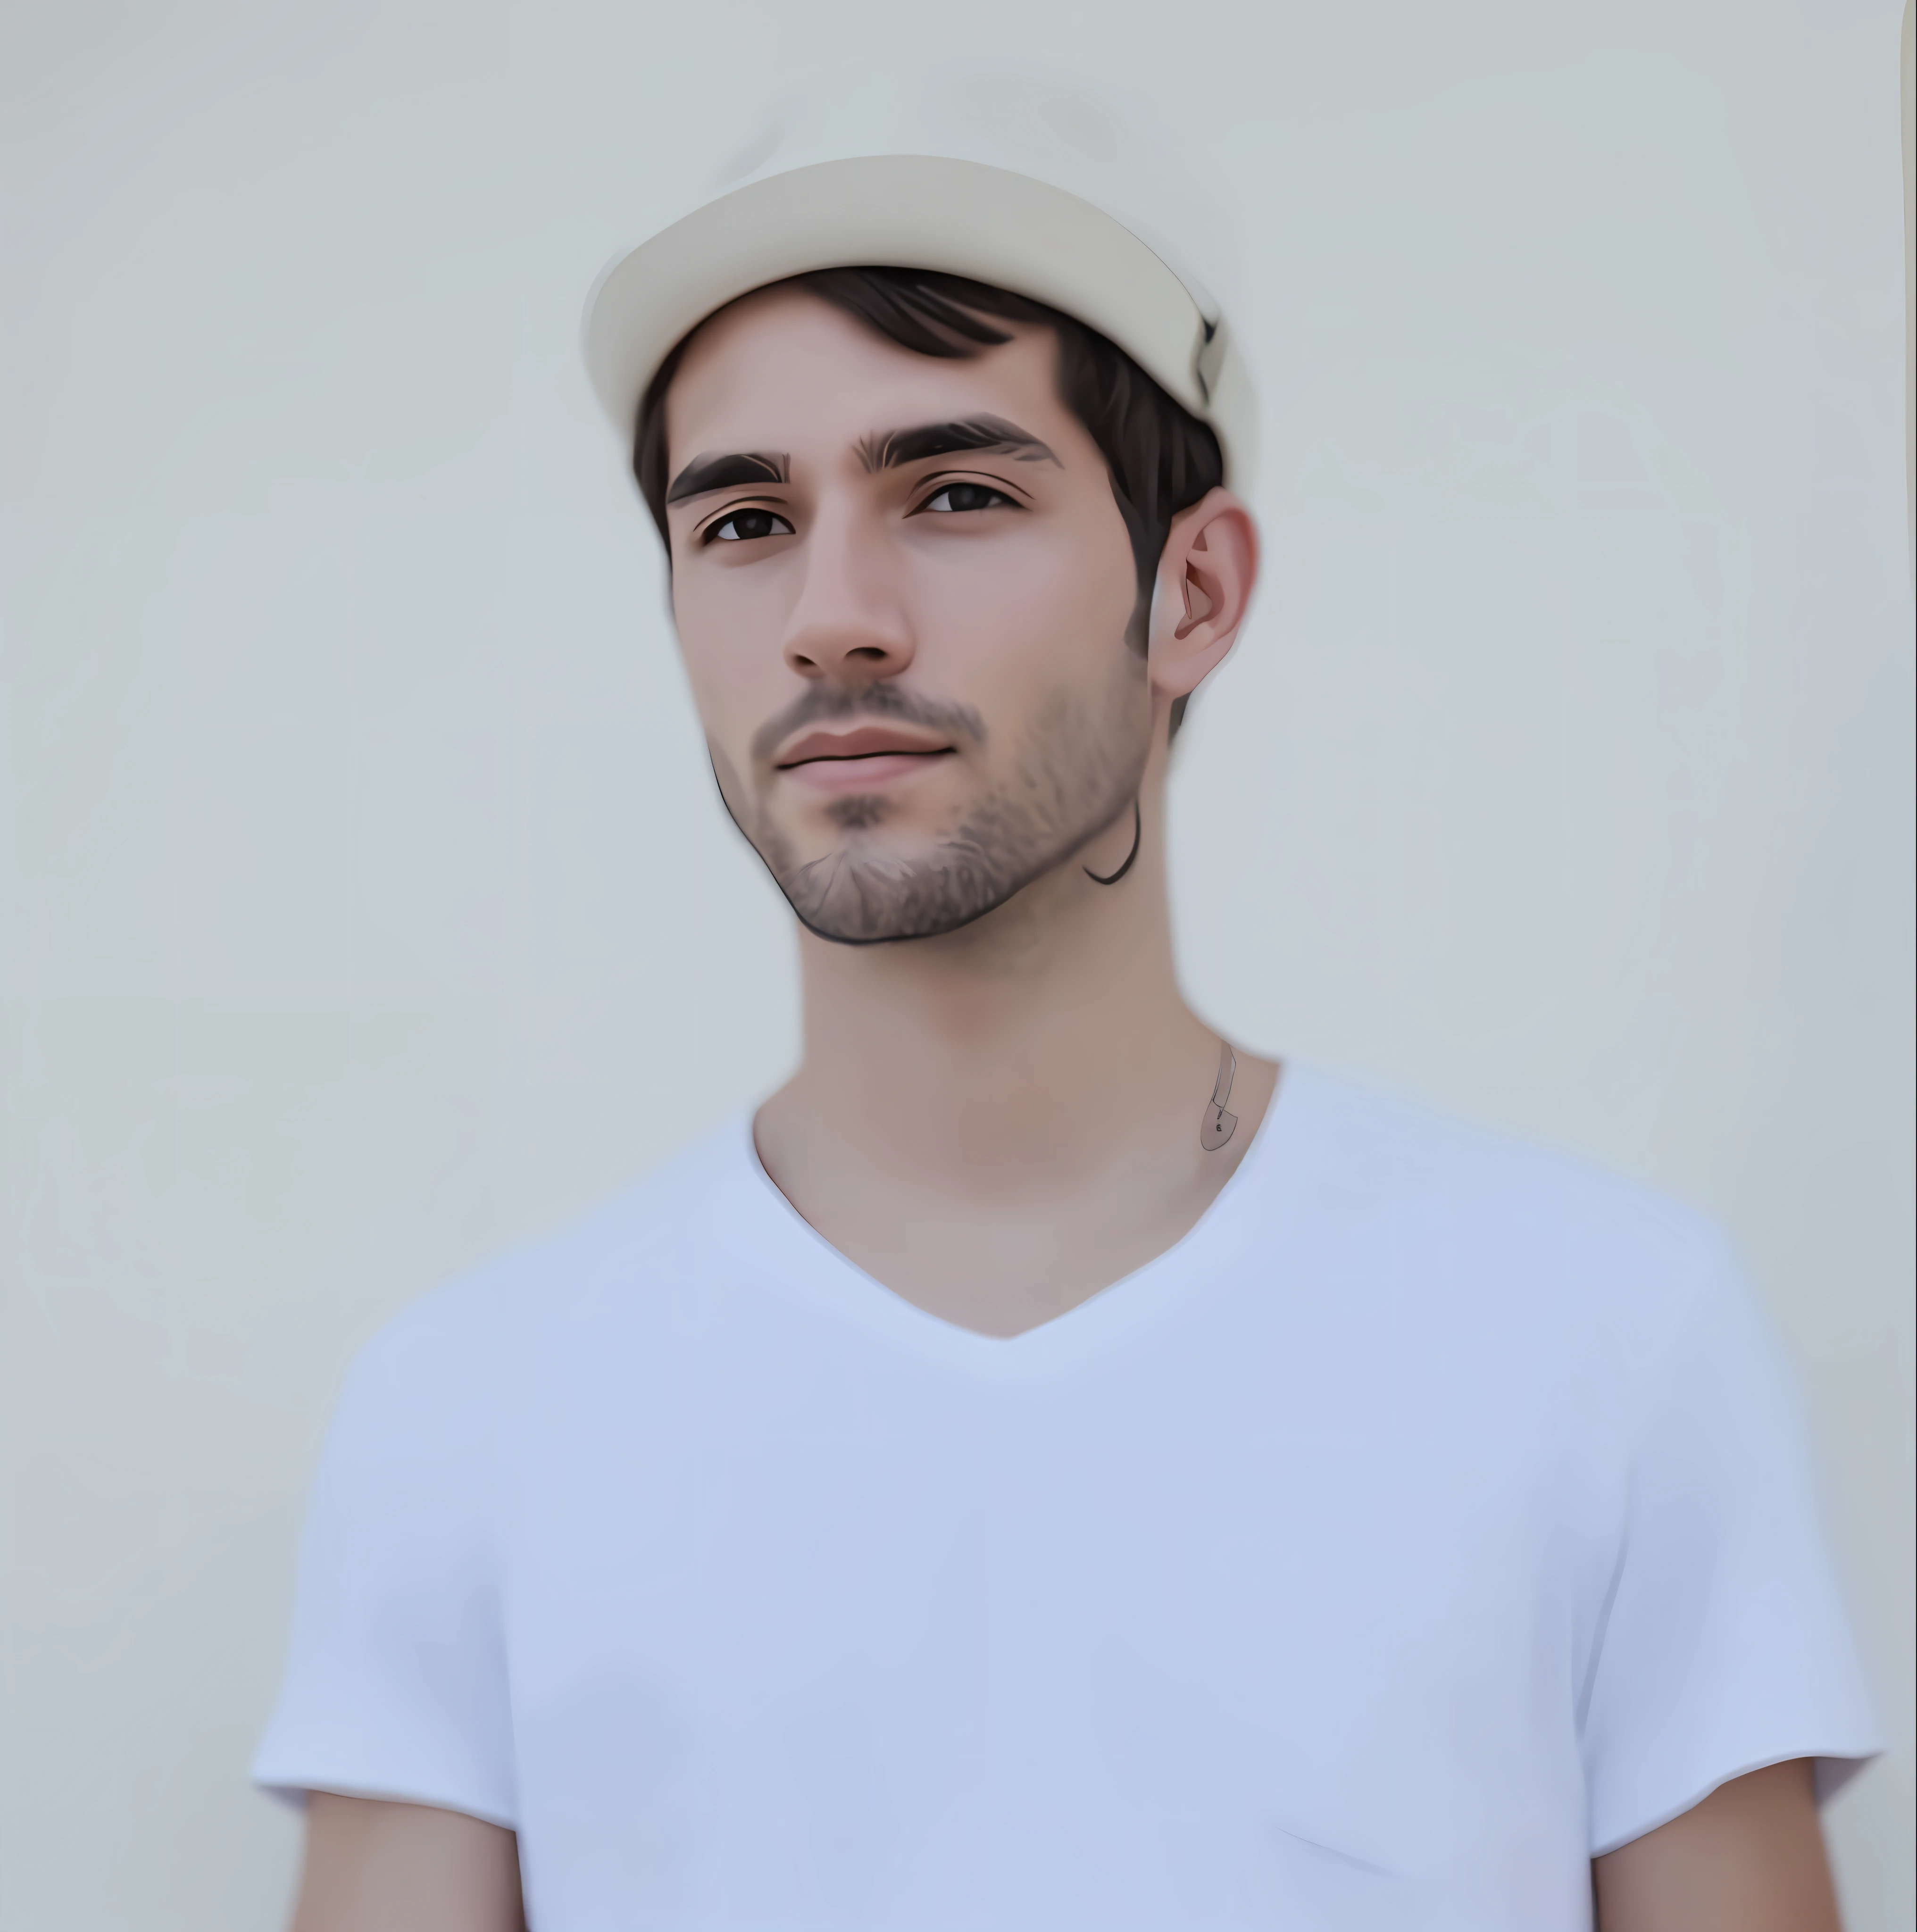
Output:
[[1029, 607], [721, 636]]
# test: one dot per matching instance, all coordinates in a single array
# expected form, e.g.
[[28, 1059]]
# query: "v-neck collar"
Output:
[[1135, 1306]]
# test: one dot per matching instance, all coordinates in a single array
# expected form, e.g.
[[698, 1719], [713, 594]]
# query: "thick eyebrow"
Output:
[[728, 472], [891, 448]]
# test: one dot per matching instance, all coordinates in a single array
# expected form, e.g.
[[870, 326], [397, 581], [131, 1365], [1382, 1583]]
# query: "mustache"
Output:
[[885, 701]]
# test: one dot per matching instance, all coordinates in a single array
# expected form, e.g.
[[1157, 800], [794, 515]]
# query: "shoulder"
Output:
[[1480, 1219], [469, 1341]]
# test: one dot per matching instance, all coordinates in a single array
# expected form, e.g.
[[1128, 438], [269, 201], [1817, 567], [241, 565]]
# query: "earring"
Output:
[[1137, 833]]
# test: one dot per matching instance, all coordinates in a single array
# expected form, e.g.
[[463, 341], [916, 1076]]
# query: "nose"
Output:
[[849, 623]]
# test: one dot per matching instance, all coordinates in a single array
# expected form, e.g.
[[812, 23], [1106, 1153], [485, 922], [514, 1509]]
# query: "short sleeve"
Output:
[[395, 1684], [1727, 1646]]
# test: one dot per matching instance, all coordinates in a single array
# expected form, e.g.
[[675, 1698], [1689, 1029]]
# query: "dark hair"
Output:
[[1161, 457]]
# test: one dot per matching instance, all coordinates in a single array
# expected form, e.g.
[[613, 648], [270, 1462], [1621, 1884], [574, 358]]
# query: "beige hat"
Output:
[[917, 211]]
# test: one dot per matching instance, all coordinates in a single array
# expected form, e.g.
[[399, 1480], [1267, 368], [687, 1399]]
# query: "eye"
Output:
[[966, 496], [744, 526]]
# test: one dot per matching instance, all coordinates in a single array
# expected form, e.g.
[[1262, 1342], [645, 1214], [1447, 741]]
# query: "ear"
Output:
[[1206, 573]]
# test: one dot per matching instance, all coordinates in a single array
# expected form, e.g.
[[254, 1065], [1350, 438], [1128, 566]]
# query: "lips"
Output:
[[886, 741]]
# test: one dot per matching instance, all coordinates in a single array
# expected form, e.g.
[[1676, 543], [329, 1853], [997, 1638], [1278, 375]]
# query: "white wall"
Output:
[[367, 902]]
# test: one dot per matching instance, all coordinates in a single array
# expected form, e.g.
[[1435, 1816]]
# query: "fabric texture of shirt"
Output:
[[1435, 1516]]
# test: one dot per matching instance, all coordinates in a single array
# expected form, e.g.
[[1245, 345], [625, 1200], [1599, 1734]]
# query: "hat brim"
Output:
[[918, 212]]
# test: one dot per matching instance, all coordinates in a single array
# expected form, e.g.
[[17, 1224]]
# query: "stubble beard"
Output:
[[1078, 767]]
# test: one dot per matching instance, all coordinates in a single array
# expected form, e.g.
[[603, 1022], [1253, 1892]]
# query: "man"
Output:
[[1047, 1468]]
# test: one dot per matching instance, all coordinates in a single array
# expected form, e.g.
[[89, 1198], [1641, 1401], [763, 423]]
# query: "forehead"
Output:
[[785, 369]]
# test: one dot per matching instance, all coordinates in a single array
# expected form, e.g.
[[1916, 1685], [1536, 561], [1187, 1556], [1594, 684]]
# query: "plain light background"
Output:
[[367, 905]]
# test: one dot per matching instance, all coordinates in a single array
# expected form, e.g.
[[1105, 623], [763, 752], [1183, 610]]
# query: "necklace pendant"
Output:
[[1216, 1128]]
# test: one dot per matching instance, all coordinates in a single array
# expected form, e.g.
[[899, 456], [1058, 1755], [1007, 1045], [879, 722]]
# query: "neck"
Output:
[[1028, 1050]]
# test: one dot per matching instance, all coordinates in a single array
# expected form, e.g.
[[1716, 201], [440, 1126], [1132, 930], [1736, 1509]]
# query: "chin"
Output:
[[867, 894]]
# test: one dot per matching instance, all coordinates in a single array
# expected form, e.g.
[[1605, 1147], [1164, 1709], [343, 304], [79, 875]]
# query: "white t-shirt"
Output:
[[1434, 1516]]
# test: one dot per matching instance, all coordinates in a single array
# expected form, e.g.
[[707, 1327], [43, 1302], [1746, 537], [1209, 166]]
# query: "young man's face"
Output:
[[910, 655]]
